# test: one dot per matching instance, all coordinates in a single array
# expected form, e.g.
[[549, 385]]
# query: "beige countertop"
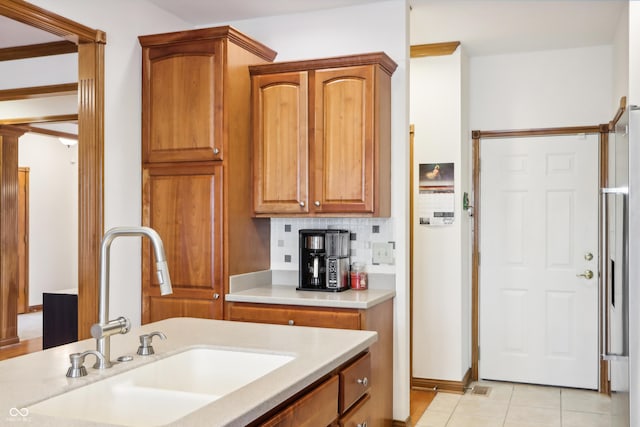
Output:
[[287, 294], [37, 376]]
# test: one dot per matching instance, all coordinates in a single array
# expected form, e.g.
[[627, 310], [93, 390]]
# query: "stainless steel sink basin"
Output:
[[163, 391]]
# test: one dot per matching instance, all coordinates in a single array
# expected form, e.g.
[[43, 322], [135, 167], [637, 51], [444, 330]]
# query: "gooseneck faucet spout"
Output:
[[103, 330]]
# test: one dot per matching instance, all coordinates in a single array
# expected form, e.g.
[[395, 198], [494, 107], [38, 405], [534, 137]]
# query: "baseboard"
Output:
[[443, 385], [405, 423], [9, 341]]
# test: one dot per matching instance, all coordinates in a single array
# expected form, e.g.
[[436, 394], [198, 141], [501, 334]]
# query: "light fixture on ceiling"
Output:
[[68, 141]]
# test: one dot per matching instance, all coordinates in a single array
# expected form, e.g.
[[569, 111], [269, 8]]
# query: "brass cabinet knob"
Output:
[[317, 203], [302, 204]]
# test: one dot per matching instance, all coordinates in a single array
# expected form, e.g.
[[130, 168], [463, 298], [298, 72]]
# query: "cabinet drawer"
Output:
[[318, 408], [355, 381], [359, 415], [298, 316]]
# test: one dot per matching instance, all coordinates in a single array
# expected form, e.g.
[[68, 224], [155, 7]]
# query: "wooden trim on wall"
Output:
[[48, 132], [60, 26], [9, 235], [38, 92], [411, 202], [40, 119], [475, 257], [91, 187], [619, 113], [433, 49], [37, 50], [458, 387], [405, 423]]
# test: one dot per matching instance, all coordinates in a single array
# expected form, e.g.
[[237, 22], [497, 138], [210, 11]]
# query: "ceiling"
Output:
[[484, 27]]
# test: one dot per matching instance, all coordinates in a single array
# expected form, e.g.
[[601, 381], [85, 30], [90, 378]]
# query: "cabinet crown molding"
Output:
[[212, 33], [379, 58]]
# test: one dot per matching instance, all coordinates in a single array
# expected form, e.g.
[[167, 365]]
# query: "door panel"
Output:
[[280, 135], [343, 146], [538, 310], [184, 205]]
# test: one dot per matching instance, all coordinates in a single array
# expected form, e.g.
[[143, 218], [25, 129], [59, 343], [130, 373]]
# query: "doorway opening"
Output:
[[90, 46]]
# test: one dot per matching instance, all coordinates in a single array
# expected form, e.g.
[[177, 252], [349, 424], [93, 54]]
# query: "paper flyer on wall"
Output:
[[436, 198]]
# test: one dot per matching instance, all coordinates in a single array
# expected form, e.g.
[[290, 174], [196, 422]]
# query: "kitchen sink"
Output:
[[163, 391]]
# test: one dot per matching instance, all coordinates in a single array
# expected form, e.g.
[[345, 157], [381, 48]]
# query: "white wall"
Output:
[[28, 72], [441, 255], [53, 214], [568, 87], [375, 27]]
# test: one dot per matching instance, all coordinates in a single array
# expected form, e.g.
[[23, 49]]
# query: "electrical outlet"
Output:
[[382, 253]]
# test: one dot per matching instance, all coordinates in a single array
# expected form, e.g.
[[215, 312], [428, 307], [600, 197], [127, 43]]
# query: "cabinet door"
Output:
[[280, 138], [342, 151], [182, 102], [184, 205]]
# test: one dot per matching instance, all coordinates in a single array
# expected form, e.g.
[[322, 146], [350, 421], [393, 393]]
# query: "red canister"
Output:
[[358, 277]]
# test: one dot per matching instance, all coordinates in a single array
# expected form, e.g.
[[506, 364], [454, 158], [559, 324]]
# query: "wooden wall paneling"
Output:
[[23, 240], [90, 181], [9, 235]]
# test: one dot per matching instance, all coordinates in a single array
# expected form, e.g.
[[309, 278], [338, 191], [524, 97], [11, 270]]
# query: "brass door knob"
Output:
[[588, 274]]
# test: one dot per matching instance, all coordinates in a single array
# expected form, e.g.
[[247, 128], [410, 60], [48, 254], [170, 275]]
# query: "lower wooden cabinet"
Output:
[[376, 365], [318, 407], [359, 415], [355, 382], [342, 399]]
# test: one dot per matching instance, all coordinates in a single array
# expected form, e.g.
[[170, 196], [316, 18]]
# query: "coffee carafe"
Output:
[[314, 262]]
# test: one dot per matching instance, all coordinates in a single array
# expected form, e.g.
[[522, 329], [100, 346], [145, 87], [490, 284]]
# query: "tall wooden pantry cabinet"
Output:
[[196, 168]]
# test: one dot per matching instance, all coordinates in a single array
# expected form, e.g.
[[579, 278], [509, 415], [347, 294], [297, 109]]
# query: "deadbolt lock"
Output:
[[588, 256]]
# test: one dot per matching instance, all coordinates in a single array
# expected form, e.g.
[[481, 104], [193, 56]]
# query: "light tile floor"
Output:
[[519, 405]]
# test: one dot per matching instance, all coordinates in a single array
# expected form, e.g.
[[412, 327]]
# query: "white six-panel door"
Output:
[[538, 229]]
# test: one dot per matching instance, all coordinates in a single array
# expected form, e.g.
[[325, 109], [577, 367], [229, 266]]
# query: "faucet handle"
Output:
[[77, 368], [146, 348]]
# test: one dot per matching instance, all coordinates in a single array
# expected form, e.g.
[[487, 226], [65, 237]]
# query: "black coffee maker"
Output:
[[324, 260]]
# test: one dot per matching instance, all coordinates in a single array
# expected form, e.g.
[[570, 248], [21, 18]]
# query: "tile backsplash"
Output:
[[364, 231]]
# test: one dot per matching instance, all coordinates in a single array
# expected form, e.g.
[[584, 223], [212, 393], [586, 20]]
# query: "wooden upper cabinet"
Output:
[[184, 90], [344, 145], [188, 79], [280, 149], [322, 136]]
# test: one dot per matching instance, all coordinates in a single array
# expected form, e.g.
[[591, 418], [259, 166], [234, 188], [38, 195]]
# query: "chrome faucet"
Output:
[[103, 330]]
